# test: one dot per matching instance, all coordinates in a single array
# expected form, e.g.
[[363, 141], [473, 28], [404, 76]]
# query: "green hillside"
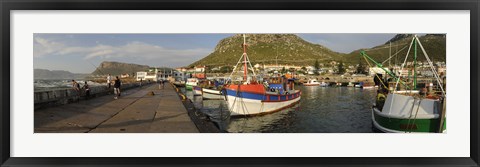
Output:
[[264, 48], [291, 49]]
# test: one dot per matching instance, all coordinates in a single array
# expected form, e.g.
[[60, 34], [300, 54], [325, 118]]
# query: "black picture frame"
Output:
[[8, 5]]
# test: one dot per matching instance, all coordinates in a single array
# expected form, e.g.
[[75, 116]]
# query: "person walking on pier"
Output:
[[116, 88], [87, 90], [160, 84], [76, 87], [109, 80]]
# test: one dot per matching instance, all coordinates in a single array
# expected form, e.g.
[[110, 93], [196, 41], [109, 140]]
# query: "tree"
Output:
[[226, 69], [316, 65], [341, 69], [360, 69]]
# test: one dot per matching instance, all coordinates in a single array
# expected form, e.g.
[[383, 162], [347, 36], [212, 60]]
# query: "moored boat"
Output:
[[190, 83], [410, 110], [179, 83], [212, 94], [197, 91], [249, 97], [323, 84], [312, 82], [403, 112]]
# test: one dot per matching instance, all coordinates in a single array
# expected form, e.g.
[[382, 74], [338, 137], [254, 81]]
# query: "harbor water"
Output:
[[320, 110]]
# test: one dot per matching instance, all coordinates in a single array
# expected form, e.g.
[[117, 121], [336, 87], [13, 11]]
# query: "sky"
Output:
[[82, 53]]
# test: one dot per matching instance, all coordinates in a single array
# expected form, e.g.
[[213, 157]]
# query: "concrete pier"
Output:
[[136, 111]]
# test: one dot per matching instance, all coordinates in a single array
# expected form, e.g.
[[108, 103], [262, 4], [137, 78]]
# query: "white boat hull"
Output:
[[242, 106], [212, 94], [316, 84], [197, 92]]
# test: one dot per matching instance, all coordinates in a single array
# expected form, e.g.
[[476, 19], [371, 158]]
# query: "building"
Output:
[[271, 67], [152, 74], [376, 70], [141, 75], [124, 75], [199, 69]]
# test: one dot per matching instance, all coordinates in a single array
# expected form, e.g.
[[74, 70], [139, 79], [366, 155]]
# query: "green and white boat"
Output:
[[404, 112], [410, 110], [191, 82]]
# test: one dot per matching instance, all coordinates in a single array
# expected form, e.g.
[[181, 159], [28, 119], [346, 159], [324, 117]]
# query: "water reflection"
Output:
[[321, 110]]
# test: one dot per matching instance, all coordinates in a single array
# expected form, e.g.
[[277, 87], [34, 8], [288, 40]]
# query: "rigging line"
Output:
[[395, 54], [383, 47], [431, 66], [375, 73], [404, 63], [239, 60], [415, 118], [411, 112]]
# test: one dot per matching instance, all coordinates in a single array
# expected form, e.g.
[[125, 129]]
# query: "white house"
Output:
[[141, 75], [376, 70], [199, 69]]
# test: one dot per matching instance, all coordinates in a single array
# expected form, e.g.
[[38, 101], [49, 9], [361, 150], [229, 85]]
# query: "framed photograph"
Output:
[[248, 83]]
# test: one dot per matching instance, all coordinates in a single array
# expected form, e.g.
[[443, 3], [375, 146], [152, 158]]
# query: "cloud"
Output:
[[132, 50], [44, 47]]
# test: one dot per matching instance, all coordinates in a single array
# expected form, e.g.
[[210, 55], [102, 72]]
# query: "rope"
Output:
[[416, 113], [411, 112], [409, 128]]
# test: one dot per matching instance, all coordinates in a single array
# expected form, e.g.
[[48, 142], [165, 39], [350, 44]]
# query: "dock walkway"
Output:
[[134, 112]]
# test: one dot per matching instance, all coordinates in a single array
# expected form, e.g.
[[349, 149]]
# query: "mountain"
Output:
[[399, 37], [264, 48], [118, 68], [291, 49], [434, 44], [56, 74]]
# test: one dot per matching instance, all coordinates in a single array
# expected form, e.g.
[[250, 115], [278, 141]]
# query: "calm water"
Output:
[[321, 110]]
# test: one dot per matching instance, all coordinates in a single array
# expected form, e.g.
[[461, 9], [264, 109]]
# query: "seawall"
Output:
[[56, 97]]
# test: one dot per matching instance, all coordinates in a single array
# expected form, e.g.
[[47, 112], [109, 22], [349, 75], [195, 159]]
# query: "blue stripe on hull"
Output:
[[262, 97], [247, 95]]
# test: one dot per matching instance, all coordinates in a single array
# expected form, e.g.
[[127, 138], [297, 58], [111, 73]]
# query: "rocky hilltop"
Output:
[[118, 68], [264, 48], [56, 74], [434, 44]]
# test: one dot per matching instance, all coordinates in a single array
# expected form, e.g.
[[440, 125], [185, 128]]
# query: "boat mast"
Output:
[[390, 54], [244, 58], [389, 58], [415, 64]]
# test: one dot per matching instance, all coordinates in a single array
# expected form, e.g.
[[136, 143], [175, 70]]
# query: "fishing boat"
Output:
[[212, 89], [249, 97], [197, 91], [312, 82], [350, 84], [212, 94], [410, 110], [179, 83], [323, 84], [366, 85], [190, 83]]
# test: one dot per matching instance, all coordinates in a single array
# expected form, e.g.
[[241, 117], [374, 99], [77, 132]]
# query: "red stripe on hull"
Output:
[[252, 88]]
